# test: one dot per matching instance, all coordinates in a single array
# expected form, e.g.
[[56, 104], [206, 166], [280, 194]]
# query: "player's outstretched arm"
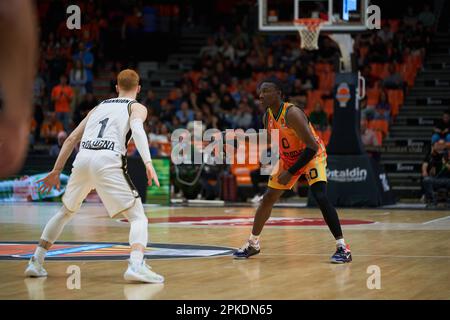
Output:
[[296, 119], [137, 118], [52, 179]]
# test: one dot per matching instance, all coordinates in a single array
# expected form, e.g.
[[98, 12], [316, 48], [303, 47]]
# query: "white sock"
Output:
[[254, 239], [341, 243], [136, 258], [39, 254]]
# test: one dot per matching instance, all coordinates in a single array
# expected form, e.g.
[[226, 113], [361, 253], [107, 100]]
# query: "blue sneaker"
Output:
[[248, 250], [342, 255]]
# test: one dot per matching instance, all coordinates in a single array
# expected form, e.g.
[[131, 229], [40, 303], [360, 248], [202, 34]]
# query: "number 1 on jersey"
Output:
[[102, 129]]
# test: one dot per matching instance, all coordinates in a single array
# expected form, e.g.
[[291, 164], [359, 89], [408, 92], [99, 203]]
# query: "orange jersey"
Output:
[[290, 145]]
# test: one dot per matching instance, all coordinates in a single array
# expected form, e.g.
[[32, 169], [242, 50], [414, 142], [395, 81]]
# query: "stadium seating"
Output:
[[395, 98]]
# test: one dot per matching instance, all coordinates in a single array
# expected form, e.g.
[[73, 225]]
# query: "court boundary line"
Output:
[[436, 220], [357, 255]]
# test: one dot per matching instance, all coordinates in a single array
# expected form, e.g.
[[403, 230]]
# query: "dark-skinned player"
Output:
[[302, 152]]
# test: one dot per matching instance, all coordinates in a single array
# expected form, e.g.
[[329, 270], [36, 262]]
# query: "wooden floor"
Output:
[[411, 249]]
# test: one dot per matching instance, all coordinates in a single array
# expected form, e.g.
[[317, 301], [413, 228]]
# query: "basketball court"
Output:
[[399, 252], [410, 247]]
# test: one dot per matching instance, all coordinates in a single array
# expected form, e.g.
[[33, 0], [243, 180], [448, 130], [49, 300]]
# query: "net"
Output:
[[309, 30]]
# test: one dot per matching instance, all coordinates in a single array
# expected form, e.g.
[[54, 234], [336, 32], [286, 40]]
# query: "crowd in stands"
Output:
[[70, 58], [221, 90]]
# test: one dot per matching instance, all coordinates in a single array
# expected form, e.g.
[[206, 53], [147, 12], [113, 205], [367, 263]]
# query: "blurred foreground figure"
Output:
[[18, 54]]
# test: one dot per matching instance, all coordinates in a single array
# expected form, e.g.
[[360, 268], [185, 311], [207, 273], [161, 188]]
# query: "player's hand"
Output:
[[151, 174], [285, 177], [50, 181]]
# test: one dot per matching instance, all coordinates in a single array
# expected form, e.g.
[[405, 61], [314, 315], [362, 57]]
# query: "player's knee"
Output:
[[137, 214], [67, 214], [270, 198]]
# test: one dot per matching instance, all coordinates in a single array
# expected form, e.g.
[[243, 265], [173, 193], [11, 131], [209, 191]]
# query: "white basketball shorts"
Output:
[[106, 172]]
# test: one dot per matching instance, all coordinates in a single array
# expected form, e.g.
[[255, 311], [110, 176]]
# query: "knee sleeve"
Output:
[[56, 224], [138, 224]]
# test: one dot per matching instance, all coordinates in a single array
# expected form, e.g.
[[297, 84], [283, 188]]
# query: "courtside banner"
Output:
[[24, 186], [356, 181]]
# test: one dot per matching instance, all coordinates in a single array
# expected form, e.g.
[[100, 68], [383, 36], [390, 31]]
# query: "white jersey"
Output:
[[108, 126]]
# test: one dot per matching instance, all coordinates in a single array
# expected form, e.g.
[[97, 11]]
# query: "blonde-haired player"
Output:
[[101, 165]]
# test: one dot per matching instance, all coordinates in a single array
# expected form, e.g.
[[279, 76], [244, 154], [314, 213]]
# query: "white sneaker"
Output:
[[143, 273], [256, 199], [35, 269]]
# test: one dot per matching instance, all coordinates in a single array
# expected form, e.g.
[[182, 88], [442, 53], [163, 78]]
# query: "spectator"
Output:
[[363, 108], [298, 89], [319, 118], [39, 90], [410, 19], [210, 50], [152, 103], [239, 36], [88, 102], [62, 96], [227, 102], [157, 138], [442, 129], [167, 113], [209, 119], [221, 35], [378, 51], [435, 172], [56, 148], [383, 108], [241, 51], [51, 127], [185, 115], [371, 80], [394, 80], [78, 80], [132, 24], [242, 117], [368, 136], [427, 17], [38, 118], [385, 33], [227, 50], [309, 79], [87, 59]]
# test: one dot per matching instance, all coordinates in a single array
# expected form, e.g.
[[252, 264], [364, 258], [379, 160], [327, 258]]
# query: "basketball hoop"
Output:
[[309, 29]]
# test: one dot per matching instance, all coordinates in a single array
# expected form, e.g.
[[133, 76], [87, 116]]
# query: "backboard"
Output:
[[339, 15]]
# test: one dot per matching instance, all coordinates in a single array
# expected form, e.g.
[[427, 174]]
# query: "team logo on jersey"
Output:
[[23, 250], [98, 145], [247, 221], [343, 94], [283, 122]]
